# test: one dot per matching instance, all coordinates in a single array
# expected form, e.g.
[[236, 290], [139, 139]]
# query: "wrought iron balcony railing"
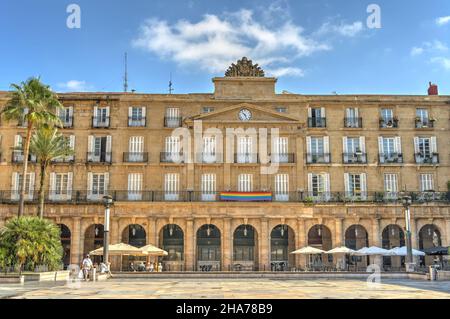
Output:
[[354, 158], [282, 158], [353, 122], [430, 158], [315, 158], [307, 198], [137, 121], [18, 157], [391, 158], [67, 121], [424, 123], [389, 123], [100, 122], [135, 157], [319, 122], [246, 158], [172, 122], [64, 160], [171, 157], [102, 157]]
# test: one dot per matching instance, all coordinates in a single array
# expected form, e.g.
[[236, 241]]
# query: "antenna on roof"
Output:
[[170, 84], [125, 78]]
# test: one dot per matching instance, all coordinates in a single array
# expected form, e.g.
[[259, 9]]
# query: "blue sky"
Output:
[[313, 47]]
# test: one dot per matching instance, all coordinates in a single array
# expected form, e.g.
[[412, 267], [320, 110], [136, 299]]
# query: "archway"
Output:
[[136, 236], [356, 237], [65, 242], [429, 236], [245, 254], [93, 239], [319, 236], [393, 236], [171, 239], [208, 248], [282, 243]]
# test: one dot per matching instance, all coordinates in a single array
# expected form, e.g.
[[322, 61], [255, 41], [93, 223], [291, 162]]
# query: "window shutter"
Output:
[[416, 145], [346, 183], [31, 186], [106, 182], [130, 112], [52, 190], [69, 184], [71, 112], [322, 112], [107, 111], [363, 184], [380, 149], [310, 183], [89, 184], [327, 184], [72, 142], [309, 112], [108, 148], [344, 144], [17, 141], [95, 115], [144, 112], [356, 112], [362, 144], [347, 113], [398, 144], [308, 144], [326, 144], [91, 144], [434, 144], [14, 185]]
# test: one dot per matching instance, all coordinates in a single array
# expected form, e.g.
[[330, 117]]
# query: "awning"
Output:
[[308, 251]]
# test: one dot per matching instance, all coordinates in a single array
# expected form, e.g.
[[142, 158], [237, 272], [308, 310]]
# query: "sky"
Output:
[[311, 46]]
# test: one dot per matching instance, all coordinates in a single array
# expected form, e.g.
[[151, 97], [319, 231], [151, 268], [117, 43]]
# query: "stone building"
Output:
[[340, 162]]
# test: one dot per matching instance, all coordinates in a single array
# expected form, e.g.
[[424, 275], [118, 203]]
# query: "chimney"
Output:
[[433, 89]]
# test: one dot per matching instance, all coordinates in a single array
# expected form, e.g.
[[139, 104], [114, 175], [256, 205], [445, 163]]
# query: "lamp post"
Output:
[[108, 202], [409, 265]]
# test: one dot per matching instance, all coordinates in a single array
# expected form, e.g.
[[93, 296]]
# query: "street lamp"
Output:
[[407, 201], [107, 202]]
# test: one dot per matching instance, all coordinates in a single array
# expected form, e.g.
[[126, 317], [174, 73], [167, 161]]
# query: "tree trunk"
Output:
[[42, 189], [25, 169]]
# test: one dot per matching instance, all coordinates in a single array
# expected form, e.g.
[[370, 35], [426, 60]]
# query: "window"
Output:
[[173, 149], [60, 186], [354, 150], [172, 118], [352, 118], [135, 186], [425, 149], [318, 149], [281, 109], [319, 185], [390, 149], [245, 183], [101, 116], [208, 109], [422, 115], [16, 186], [171, 187], [245, 150], [426, 182], [316, 117], [390, 185], [97, 185], [280, 149], [99, 149], [136, 149], [209, 149], [387, 119], [282, 187], [136, 116], [355, 185], [208, 187], [66, 116]]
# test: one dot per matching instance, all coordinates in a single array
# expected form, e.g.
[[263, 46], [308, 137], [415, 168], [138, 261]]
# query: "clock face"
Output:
[[245, 115]]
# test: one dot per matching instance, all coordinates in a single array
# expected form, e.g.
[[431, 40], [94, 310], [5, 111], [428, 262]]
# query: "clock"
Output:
[[245, 115]]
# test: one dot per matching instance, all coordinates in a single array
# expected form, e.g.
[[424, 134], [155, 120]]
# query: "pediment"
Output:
[[231, 114]]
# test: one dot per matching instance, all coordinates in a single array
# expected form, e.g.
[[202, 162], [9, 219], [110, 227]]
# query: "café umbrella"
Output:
[[402, 251], [308, 251], [372, 251], [119, 250], [437, 251], [340, 250]]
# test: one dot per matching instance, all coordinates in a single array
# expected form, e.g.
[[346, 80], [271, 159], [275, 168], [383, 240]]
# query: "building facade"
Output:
[[328, 172]]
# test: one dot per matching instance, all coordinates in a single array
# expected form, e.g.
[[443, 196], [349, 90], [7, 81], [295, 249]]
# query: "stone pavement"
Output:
[[229, 288]]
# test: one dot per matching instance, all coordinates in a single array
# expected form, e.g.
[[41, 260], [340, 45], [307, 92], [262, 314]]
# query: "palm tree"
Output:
[[33, 103], [47, 144]]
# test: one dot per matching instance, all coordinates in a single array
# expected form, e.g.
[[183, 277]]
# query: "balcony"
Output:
[[100, 122], [282, 158], [389, 123], [391, 158], [137, 122], [317, 122], [246, 158], [171, 157], [424, 123], [135, 157], [101, 157], [67, 121], [208, 158], [353, 122], [430, 158], [18, 157], [354, 158], [64, 160], [306, 198], [172, 122], [313, 158]]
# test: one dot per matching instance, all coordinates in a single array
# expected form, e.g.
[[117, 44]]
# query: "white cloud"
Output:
[[74, 86], [287, 71], [429, 47], [214, 42], [443, 20], [417, 51], [442, 61], [342, 29]]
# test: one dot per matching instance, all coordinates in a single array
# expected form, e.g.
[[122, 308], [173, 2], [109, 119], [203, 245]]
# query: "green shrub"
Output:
[[29, 242]]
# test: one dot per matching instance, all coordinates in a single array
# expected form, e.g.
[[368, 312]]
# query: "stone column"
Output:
[[447, 237], [151, 232], [301, 238], [115, 238], [414, 234], [227, 245], [339, 240], [189, 245], [264, 246], [75, 242], [376, 241]]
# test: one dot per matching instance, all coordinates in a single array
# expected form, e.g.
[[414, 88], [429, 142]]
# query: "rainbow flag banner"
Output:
[[246, 197]]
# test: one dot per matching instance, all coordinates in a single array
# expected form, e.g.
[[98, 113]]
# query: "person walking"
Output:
[[86, 266]]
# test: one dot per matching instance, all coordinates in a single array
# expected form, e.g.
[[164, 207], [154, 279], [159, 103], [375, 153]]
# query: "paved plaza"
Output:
[[229, 288]]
